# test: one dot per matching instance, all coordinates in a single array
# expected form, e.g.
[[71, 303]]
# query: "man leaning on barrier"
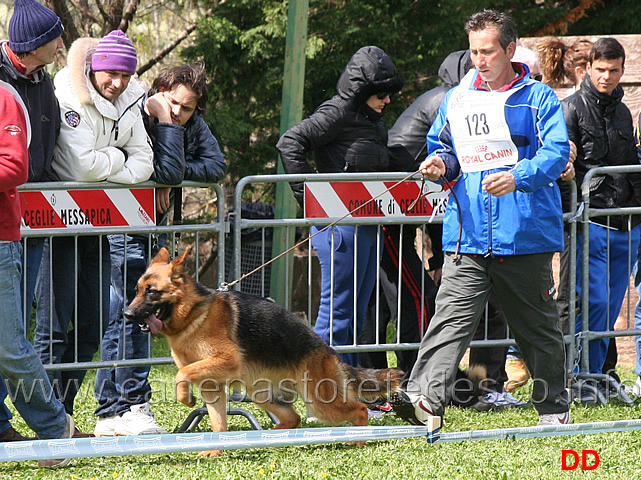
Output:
[[601, 127], [102, 137], [501, 135], [184, 149]]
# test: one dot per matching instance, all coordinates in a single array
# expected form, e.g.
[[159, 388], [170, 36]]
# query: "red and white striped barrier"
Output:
[[337, 199], [88, 208]]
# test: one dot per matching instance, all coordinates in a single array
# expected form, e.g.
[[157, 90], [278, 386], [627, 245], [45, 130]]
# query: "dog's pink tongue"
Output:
[[154, 323]]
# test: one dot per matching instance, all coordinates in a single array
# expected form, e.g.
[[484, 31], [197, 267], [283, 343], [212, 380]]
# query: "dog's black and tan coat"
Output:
[[222, 338]]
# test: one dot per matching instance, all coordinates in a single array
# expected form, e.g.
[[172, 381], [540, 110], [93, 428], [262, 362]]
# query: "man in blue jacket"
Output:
[[502, 136], [184, 149]]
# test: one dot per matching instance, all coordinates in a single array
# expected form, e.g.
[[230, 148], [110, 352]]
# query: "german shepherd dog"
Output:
[[219, 339]]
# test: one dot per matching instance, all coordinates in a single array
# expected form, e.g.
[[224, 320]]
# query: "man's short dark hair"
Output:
[[608, 49], [493, 19], [191, 75]]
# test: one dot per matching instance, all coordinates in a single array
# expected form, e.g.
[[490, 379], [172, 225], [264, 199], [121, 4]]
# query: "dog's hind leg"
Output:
[[217, 409], [284, 412]]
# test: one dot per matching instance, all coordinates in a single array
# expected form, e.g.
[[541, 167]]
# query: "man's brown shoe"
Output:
[[12, 435], [78, 434], [517, 374]]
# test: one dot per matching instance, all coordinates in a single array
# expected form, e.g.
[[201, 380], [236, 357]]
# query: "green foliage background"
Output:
[[244, 44]]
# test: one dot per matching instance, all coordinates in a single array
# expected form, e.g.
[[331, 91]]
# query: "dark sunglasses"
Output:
[[382, 95], [538, 77]]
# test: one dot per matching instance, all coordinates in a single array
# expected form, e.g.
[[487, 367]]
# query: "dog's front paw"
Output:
[[210, 453], [356, 444]]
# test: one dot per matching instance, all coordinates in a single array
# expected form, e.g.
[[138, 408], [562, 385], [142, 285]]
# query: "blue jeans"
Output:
[[30, 267], [620, 259], [336, 325], [118, 388], [25, 377], [73, 334]]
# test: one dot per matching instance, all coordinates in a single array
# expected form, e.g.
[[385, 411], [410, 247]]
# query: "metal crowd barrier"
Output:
[[305, 224], [231, 254], [66, 194], [584, 215]]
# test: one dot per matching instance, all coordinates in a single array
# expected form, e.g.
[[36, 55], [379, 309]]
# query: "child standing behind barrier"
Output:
[[346, 134], [184, 149]]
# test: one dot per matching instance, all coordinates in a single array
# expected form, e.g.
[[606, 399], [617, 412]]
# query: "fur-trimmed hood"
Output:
[[98, 140], [74, 81]]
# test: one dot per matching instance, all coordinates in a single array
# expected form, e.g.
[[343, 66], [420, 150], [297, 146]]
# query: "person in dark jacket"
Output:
[[345, 134], [408, 147], [184, 149], [34, 38], [601, 127]]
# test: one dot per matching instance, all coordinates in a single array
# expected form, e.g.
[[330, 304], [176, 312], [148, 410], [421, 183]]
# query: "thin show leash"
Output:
[[225, 286]]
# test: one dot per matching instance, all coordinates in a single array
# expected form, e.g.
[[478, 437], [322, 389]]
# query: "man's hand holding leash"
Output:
[[433, 168]]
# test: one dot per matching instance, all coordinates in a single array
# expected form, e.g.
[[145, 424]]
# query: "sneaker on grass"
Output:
[[497, 401], [636, 388], [107, 426], [414, 409], [551, 419], [139, 420], [376, 410]]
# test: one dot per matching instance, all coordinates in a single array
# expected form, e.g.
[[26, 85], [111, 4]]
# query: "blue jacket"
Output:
[[528, 220], [189, 152]]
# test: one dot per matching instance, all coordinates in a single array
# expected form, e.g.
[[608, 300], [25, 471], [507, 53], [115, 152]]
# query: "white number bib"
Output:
[[479, 129]]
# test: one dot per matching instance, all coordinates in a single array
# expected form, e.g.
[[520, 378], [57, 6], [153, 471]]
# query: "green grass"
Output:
[[396, 459]]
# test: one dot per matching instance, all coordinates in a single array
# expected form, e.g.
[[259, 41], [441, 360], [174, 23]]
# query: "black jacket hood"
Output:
[[454, 67], [369, 71]]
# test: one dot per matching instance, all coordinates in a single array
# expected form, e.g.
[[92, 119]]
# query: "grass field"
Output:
[[396, 459]]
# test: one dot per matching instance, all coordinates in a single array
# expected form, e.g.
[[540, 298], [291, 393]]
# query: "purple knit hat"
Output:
[[115, 52]]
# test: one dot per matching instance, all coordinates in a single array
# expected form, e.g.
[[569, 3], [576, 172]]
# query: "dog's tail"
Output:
[[372, 385]]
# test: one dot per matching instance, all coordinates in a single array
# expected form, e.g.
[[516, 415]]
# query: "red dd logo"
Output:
[[570, 459]]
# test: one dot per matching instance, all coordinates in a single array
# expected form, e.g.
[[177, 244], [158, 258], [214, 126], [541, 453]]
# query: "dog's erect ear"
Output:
[[161, 257], [178, 261]]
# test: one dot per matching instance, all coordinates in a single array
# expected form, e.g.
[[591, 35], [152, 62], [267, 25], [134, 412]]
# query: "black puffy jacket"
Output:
[[344, 134], [407, 138], [189, 152], [601, 127], [407, 142]]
